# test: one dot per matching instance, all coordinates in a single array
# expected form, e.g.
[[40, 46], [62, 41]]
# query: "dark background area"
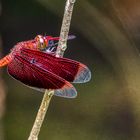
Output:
[[108, 33]]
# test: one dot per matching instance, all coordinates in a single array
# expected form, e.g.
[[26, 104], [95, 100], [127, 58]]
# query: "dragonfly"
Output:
[[35, 64]]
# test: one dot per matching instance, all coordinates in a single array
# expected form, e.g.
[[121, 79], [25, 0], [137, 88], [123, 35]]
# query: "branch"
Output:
[[62, 45], [41, 115]]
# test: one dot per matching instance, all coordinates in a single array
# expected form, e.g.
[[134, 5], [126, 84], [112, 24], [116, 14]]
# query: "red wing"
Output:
[[33, 75], [68, 69]]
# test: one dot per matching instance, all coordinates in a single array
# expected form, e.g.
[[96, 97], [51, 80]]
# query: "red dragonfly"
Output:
[[34, 63]]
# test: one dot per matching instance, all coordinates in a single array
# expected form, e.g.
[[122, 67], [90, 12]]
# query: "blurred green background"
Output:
[[108, 39]]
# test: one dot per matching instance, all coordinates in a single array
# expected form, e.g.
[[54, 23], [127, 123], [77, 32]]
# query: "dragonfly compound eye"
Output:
[[41, 42]]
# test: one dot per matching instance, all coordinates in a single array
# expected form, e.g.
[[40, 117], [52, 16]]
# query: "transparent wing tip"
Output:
[[71, 37], [66, 92], [83, 76]]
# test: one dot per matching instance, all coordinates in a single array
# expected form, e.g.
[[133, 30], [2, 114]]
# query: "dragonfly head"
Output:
[[42, 43]]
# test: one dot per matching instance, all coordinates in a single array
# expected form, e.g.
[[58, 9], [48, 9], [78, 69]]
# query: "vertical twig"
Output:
[[41, 115], [60, 51], [62, 44]]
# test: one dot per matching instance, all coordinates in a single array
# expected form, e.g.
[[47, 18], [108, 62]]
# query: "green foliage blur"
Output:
[[108, 34]]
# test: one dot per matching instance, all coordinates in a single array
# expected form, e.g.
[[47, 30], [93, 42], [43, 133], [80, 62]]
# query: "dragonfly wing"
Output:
[[68, 69], [34, 76], [63, 92], [66, 92]]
